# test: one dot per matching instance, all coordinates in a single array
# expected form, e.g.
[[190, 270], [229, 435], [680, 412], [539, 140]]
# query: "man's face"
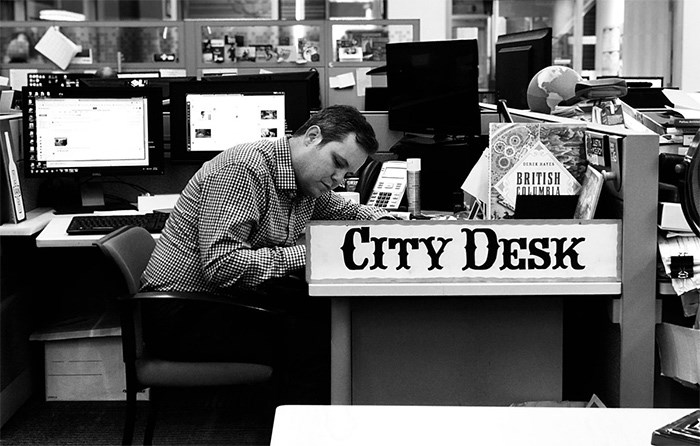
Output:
[[322, 167]]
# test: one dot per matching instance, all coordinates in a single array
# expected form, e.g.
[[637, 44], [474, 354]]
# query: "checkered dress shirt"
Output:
[[238, 220]]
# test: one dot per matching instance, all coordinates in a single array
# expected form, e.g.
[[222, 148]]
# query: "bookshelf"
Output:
[[195, 47]]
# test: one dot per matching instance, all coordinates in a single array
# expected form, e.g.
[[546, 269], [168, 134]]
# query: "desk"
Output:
[[442, 333], [36, 220], [445, 426], [54, 234], [17, 247], [627, 344]]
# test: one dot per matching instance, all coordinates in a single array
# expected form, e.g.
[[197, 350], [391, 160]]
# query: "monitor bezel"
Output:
[[156, 151]]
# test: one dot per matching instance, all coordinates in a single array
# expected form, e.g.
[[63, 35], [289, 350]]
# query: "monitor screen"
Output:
[[217, 121], [300, 96], [92, 132], [433, 87], [519, 56]]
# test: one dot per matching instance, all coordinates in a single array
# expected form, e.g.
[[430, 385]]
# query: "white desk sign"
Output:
[[458, 251]]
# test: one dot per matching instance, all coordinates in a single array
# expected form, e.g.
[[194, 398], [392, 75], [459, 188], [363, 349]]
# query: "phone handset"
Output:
[[390, 186]]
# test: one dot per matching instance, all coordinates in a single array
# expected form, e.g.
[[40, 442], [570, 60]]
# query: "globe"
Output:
[[550, 86]]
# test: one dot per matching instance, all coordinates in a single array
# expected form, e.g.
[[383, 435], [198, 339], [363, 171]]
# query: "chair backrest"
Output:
[[130, 248]]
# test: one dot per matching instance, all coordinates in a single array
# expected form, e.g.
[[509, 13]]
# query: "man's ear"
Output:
[[313, 135]]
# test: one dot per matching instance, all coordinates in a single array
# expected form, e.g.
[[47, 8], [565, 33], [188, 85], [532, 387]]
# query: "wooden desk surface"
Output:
[[445, 426]]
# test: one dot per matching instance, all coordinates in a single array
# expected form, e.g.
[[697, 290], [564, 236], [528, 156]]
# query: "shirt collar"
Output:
[[285, 179]]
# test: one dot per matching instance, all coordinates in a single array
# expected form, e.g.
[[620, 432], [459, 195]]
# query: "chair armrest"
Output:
[[246, 299]]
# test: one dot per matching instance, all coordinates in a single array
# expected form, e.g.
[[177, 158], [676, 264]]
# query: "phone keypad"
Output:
[[381, 198]]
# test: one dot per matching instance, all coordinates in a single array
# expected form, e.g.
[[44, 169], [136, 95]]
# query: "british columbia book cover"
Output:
[[533, 159]]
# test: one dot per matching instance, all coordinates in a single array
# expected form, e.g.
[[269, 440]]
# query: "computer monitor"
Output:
[[519, 56], [302, 89], [292, 95], [78, 134], [156, 82], [216, 121], [433, 88]]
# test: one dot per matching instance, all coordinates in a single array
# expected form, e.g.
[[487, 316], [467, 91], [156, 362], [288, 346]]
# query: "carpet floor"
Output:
[[184, 419]]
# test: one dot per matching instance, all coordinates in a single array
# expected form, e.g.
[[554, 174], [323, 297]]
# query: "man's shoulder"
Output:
[[253, 154]]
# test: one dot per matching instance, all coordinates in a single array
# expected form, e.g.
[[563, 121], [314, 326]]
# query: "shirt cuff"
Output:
[[294, 257]]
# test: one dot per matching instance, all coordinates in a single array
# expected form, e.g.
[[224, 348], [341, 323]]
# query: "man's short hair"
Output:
[[337, 122]]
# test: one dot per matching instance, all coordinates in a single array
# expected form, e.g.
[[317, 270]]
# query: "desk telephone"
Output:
[[390, 186]]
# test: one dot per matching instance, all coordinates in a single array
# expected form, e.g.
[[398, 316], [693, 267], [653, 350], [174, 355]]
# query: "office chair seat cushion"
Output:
[[155, 372]]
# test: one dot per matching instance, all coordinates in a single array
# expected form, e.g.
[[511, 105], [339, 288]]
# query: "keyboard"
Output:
[[104, 224]]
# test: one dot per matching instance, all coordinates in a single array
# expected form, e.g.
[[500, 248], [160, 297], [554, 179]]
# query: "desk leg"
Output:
[[341, 351]]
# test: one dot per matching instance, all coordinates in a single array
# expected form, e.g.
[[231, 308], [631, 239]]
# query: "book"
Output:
[[686, 122], [589, 194], [12, 200], [595, 148], [533, 159]]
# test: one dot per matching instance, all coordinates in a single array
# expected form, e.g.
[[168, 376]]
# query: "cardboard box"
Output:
[[87, 369], [83, 360], [679, 352]]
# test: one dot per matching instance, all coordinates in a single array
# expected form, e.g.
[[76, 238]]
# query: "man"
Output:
[[237, 225]]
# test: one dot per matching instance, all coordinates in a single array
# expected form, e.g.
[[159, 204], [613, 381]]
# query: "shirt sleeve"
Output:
[[331, 206], [232, 203]]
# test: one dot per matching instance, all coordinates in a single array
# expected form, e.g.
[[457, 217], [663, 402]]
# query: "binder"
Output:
[[12, 200]]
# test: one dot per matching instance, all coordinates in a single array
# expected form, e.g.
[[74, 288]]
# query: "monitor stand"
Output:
[[77, 196]]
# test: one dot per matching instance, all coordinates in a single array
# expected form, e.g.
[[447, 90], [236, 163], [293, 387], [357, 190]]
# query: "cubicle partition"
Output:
[[461, 339]]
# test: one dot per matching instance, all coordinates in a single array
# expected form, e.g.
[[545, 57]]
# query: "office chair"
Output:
[[130, 249]]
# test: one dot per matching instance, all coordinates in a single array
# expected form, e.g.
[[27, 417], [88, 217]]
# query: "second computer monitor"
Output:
[[433, 88], [292, 97], [519, 56], [216, 121]]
